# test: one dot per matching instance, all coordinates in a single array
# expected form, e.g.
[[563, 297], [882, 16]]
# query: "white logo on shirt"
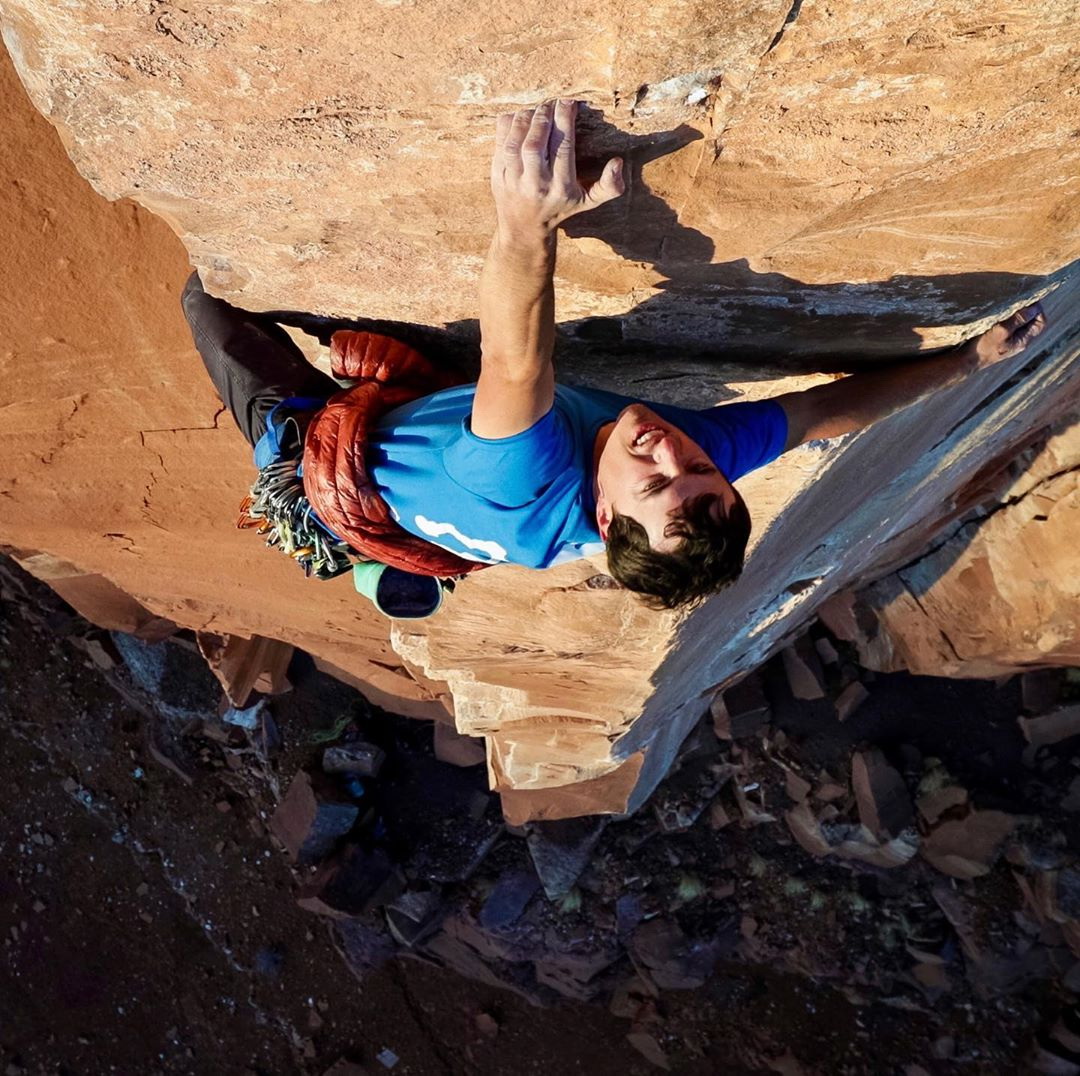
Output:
[[492, 550]]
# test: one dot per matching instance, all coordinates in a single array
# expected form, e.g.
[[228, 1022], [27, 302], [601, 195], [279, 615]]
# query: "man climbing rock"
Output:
[[517, 469]]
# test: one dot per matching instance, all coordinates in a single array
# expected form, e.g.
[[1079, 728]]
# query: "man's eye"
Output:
[[655, 484], [703, 468]]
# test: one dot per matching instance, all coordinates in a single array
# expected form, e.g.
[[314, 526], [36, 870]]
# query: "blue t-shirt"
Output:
[[528, 499]]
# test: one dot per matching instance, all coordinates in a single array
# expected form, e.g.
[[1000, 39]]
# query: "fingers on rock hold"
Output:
[[503, 124], [1026, 316], [518, 129], [611, 180], [540, 130]]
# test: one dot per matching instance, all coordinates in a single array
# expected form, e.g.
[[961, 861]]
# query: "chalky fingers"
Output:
[[515, 139], [535, 150], [1032, 323], [564, 164]]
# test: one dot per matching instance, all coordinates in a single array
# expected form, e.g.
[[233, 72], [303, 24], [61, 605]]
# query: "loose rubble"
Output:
[[851, 855], [887, 845]]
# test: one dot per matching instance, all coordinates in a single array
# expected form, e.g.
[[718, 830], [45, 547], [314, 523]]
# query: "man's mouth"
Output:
[[646, 435]]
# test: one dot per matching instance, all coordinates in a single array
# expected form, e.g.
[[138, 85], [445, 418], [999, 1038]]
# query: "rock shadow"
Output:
[[713, 323]]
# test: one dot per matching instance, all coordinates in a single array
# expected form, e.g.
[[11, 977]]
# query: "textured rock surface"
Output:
[[863, 174], [1002, 592], [114, 466], [114, 463]]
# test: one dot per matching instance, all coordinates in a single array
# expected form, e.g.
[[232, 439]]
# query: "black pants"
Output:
[[251, 359]]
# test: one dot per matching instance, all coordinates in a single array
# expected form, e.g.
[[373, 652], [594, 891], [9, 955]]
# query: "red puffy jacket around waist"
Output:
[[336, 480]]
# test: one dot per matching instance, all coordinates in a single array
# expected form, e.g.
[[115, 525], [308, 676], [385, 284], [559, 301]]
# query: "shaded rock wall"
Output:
[[1002, 592], [292, 188]]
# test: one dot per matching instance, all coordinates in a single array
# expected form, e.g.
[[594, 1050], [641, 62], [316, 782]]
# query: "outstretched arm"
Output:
[[854, 402], [535, 186]]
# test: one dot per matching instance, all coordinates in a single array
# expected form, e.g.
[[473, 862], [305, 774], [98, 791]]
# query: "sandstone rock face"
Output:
[[1003, 592], [306, 166], [116, 470], [850, 178]]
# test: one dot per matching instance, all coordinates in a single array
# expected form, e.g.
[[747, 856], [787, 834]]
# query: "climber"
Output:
[[518, 469]]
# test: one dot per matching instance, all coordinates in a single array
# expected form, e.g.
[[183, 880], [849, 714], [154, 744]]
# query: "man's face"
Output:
[[647, 468]]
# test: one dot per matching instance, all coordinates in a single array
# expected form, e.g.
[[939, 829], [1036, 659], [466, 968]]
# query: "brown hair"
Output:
[[709, 557]]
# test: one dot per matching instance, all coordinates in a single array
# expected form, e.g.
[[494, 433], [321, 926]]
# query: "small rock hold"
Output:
[[486, 1024], [649, 1048], [801, 678], [246, 718], [943, 1048], [830, 791], [509, 898], [826, 651], [932, 976], [458, 750], [882, 797], [934, 804], [1051, 728], [718, 816], [850, 699], [797, 788], [309, 823], [967, 847], [561, 849]]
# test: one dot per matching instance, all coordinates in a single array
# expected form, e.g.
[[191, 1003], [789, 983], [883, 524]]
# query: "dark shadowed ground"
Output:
[[148, 924]]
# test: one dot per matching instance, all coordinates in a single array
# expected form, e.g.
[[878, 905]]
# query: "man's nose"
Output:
[[667, 454]]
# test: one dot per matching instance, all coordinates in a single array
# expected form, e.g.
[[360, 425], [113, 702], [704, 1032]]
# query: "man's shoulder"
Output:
[[446, 407], [739, 436]]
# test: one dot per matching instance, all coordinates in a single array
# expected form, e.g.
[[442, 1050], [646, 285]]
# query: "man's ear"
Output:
[[603, 514]]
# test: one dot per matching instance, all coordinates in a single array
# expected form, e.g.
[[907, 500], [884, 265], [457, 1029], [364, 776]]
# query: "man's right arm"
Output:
[[535, 187], [517, 333]]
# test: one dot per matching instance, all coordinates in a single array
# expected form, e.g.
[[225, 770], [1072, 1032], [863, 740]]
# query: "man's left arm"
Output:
[[859, 400]]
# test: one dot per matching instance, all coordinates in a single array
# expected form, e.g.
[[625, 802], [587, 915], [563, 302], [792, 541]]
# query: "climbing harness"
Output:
[[277, 508]]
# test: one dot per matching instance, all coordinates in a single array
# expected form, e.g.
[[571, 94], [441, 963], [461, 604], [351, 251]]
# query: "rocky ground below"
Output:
[[878, 876]]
